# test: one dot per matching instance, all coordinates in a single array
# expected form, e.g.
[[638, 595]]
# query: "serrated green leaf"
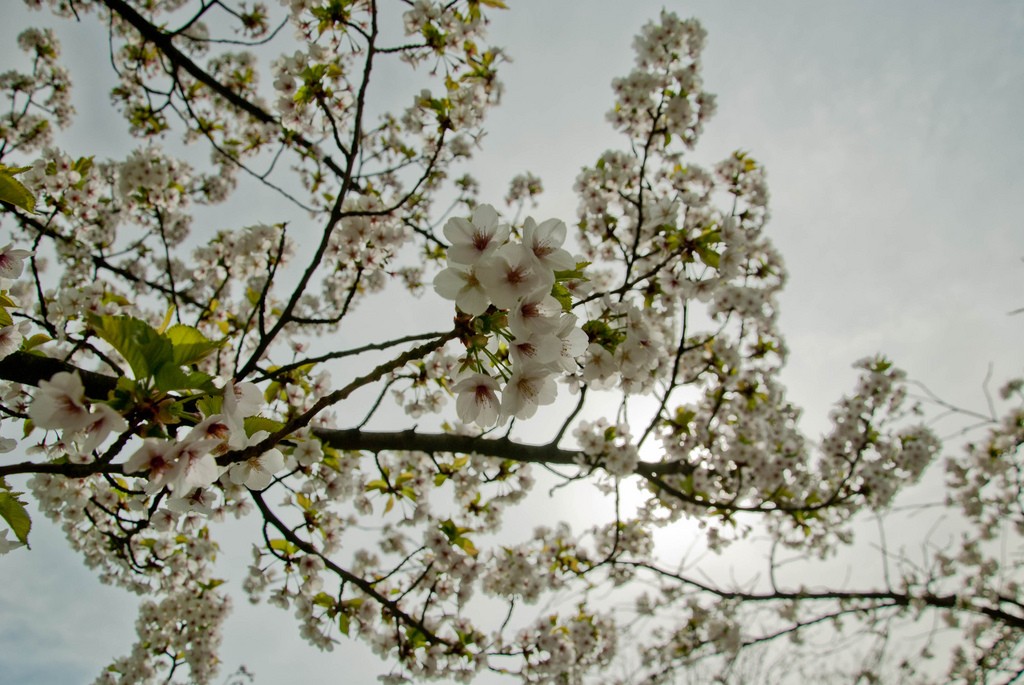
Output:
[[153, 355], [574, 274], [563, 296], [255, 424], [14, 192], [13, 512], [188, 344], [209, 405], [416, 637], [170, 377], [140, 344], [5, 318]]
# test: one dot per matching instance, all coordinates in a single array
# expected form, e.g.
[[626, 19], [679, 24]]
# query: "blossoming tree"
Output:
[[163, 376]]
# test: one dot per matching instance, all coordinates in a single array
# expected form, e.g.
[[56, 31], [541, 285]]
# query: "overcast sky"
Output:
[[892, 134]]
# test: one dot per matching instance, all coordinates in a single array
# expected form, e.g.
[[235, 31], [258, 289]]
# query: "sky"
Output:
[[892, 135]]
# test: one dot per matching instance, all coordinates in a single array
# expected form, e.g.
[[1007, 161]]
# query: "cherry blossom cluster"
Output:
[[985, 482], [883, 462], [245, 256], [37, 98], [425, 391], [70, 187], [523, 187], [12, 263], [184, 624], [169, 555], [610, 447], [362, 249], [308, 79], [506, 286], [188, 466], [444, 27], [391, 537], [705, 625], [565, 648], [663, 97], [60, 404], [90, 201], [628, 349]]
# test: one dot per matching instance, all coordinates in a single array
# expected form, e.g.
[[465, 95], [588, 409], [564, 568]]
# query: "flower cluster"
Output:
[[185, 624], [985, 482], [61, 404], [165, 555], [607, 446], [37, 100], [188, 466], [563, 649], [662, 98], [507, 285], [523, 187]]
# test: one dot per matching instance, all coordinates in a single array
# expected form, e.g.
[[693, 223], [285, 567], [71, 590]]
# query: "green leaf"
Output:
[[576, 274], [35, 341], [456, 535], [155, 355], [415, 637], [467, 546], [322, 599], [188, 344], [170, 377], [209, 405], [214, 582], [167, 319], [13, 192], [708, 256], [284, 547], [140, 344], [83, 165], [255, 424], [564, 297], [13, 511]]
